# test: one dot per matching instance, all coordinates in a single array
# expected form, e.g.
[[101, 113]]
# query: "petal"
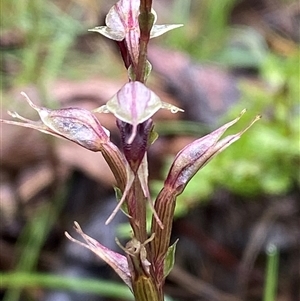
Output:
[[123, 15], [132, 38], [158, 30], [76, 124], [117, 261], [116, 35], [135, 103], [121, 18], [195, 155], [36, 125]]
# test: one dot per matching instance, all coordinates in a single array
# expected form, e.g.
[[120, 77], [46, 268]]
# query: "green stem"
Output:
[[145, 289], [146, 20], [271, 273]]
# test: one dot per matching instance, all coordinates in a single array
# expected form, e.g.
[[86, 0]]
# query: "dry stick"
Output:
[[257, 239], [198, 287]]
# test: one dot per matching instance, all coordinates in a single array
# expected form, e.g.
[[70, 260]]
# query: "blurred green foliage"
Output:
[[21, 280], [43, 35], [41, 43], [205, 27]]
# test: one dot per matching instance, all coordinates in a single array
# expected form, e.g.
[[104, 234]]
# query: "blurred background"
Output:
[[238, 221]]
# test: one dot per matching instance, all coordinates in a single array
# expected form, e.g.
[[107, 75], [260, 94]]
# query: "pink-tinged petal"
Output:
[[117, 261], [135, 103], [120, 20], [123, 15], [132, 38], [79, 126], [123, 18], [195, 155], [75, 124]]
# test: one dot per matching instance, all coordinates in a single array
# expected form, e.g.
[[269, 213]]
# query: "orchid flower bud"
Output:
[[198, 153], [134, 103], [122, 24], [136, 156], [80, 126], [75, 124]]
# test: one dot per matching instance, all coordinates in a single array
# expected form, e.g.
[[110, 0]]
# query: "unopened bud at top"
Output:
[[122, 24]]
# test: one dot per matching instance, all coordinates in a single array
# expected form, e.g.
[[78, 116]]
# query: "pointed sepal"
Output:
[[198, 153], [158, 30], [75, 124], [117, 261]]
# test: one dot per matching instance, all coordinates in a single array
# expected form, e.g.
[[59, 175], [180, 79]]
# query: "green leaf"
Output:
[[118, 194], [170, 259], [21, 280]]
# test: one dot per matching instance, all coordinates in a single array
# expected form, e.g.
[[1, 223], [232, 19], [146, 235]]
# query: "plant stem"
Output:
[[164, 206], [146, 20], [137, 210], [271, 273]]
